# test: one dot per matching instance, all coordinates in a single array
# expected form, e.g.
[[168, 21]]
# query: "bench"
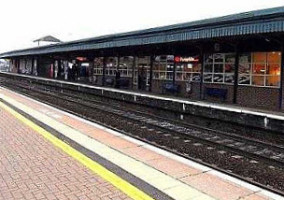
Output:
[[216, 92], [124, 83], [170, 87], [109, 81]]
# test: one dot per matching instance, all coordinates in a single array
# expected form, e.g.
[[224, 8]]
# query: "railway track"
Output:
[[236, 143], [253, 160]]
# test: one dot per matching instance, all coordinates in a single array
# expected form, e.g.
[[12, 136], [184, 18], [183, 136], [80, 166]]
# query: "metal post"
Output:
[[118, 62], [59, 68], [104, 71], [117, 71], [17, 65], [236, 75], [91, 70], [133, 70], [53, 65], [33, 61], [201, 74], [151, 72], [174, 72], [26, 62], [281, 77], [174, 69]]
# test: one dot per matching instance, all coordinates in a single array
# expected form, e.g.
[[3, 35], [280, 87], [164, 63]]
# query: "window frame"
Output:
[[183, 73], [265, 75], [98, 70], [126, 72], [212, 73], [164, 75]]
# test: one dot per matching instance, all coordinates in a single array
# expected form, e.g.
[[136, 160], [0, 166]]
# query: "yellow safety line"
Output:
[[115, 180]]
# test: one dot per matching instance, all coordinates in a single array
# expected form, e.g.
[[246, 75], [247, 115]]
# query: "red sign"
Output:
[[186, 59], [81, 58], [177, 59]]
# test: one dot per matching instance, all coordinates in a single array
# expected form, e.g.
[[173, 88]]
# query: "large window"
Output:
[[219, 68], [126, 66], [111, 66], [260, 69], [163, 67], [98, 66], [188, 68]]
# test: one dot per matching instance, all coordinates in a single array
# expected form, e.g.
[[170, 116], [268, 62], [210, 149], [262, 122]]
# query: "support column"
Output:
[[281, 77], [117, 79], [53, 66], [26, 62], [17, 65], [174, 73], [104, 71], [118, 62], [201, 74], [175, 65], [33, 60], [236, 75], [133, 70], [151, 72], [91, 70], [59, 68]]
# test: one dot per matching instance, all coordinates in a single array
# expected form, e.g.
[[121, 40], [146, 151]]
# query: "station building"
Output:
[[235, 59]]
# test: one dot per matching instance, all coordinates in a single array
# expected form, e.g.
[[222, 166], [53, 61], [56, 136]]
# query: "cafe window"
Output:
[[260, 69], [126, 66], [98, 66], [188, 68], [219, 68], [163, 67]]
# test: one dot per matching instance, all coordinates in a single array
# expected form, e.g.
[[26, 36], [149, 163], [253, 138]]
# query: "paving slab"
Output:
[[221, 189], [32, 168]]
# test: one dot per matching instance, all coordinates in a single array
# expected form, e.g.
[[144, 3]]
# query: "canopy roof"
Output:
[[248, 23], [48, 38]]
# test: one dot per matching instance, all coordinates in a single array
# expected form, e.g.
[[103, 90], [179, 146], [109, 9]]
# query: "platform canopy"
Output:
[[48, 38], [260, 22]]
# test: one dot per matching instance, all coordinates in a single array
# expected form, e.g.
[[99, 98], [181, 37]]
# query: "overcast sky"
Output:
[[23, 21]]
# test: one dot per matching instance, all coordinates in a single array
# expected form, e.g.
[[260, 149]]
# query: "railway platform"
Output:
[[47, 153]]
